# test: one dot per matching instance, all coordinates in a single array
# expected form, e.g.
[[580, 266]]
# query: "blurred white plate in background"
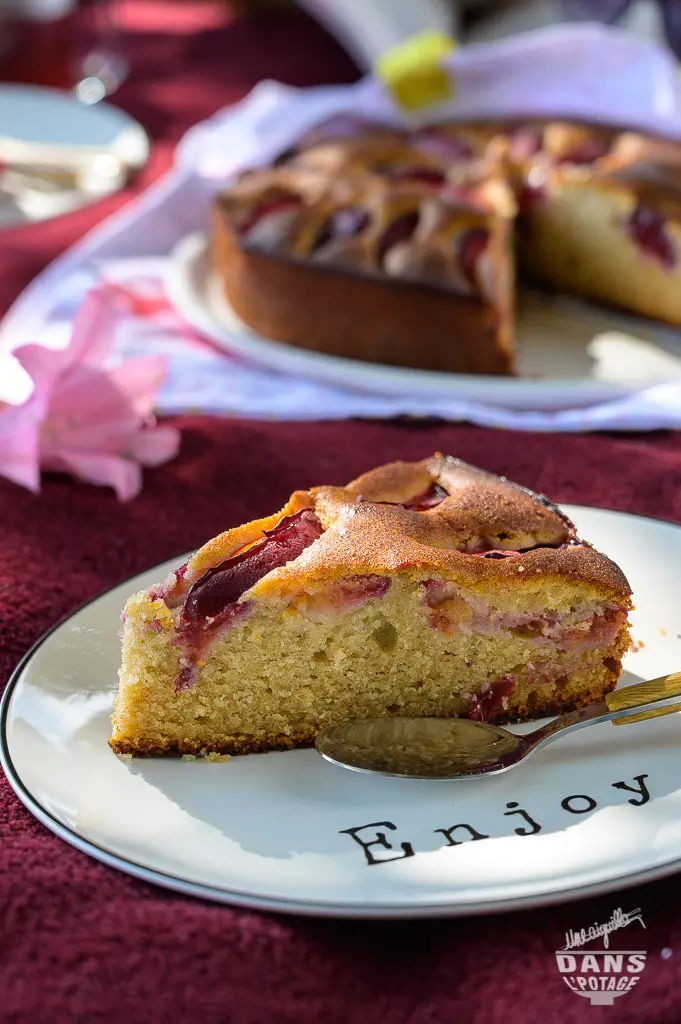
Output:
[[34, 114]]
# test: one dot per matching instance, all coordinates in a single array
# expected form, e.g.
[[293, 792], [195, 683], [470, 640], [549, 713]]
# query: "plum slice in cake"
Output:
[[429, 588], [609, 227]]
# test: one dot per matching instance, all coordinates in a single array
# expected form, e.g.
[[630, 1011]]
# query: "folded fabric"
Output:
[[583, 71]]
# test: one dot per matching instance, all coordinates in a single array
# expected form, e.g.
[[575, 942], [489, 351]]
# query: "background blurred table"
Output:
[[81, 942]]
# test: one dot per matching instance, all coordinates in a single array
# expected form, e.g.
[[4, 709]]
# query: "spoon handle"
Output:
[[645, 693], [618, 707]]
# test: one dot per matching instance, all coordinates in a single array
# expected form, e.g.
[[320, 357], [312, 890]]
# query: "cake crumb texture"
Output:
[[353, 628]]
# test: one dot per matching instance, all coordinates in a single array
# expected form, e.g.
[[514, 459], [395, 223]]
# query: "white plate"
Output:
[[37, 114], [569, 353], [268, 830]]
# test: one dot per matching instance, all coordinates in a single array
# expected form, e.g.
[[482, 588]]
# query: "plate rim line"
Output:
[[302, 908]]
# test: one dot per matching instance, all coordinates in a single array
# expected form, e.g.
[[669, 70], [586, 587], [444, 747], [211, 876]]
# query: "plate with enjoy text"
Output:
[[598, 811]]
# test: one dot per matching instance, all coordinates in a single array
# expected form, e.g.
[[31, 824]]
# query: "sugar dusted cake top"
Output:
[[439, 516], [429, 207]]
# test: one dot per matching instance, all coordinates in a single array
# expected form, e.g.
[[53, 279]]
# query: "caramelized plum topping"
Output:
[[647, 228], [499, 553], [533, 191], [399, 230], [429, 499], [222, 586], [470, 247], [434, 141], [428, 175], [344, 223], [262, 210], [524, 141], [586, 152], [488, 700]]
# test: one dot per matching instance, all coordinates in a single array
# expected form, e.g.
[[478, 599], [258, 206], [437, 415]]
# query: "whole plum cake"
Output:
[[428, 588], [399, 247]]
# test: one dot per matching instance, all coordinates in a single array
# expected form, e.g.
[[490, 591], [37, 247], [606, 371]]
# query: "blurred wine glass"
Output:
[[70, 44], [99, 61]]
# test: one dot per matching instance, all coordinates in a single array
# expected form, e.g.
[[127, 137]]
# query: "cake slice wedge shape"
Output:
[[426, 588]]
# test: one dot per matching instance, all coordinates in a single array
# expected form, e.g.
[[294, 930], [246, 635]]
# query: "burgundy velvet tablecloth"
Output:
[[81, 942]]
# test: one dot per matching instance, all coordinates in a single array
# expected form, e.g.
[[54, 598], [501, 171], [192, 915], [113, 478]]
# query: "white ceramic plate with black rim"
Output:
[[569, 353], [598, 811]]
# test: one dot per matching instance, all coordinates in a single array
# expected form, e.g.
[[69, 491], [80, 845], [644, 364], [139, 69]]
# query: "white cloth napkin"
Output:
[[582, 71]]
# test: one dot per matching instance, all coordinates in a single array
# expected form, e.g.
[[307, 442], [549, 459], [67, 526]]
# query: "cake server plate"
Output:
[[291, 832], [570, 353]]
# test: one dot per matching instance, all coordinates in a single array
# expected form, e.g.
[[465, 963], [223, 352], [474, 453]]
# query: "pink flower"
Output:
[[83, 418]]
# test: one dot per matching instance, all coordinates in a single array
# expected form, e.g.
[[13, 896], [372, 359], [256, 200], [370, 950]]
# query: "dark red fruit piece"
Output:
[[399, 230], [647, 228], [435, 141], [223, 585], [499, 553], [530, 197], [485, 703], [470, 247], [256, 213], [428, 175], [429, 499], [525, 141], [355, 590], [344, 223], [587, 152]]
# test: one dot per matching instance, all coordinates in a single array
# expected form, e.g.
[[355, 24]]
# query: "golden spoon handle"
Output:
[[644, 693]]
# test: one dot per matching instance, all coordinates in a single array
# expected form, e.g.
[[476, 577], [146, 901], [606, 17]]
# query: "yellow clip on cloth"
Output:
[[413, 70]]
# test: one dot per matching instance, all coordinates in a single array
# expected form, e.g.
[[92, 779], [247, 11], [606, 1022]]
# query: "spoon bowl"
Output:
[[423, 748], [459, 748]]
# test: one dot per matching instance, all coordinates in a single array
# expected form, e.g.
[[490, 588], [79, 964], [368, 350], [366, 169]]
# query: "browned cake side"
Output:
[[374, 320], [414, 260]]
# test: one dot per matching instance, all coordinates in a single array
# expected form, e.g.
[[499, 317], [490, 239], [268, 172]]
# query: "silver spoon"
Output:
[[458, 748]]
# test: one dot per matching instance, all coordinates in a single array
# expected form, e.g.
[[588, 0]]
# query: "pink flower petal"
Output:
[[155, 445], [146, 299], [43, 365], [139, 380], [83, 418], [94, 327], [19, 444], [124, 475], [19, 461], [88, 412]]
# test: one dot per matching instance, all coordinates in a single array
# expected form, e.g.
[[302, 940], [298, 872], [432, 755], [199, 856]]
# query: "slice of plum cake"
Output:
[[428, 588]]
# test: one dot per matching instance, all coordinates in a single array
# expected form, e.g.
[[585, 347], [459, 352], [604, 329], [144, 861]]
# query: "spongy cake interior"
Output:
[[478, 599], [275, 680]]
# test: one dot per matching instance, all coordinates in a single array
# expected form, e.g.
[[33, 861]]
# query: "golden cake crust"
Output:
[[367, 531]]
